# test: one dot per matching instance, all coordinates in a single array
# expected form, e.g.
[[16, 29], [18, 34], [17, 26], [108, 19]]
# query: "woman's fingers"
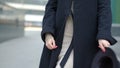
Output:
[[103, 44], [50, 43], [102, 47], [53, 43]]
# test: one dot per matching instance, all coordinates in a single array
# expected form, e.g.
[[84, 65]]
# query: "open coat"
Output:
[[92, 21]]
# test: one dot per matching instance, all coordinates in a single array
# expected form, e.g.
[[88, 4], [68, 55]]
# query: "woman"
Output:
[[73, 32]]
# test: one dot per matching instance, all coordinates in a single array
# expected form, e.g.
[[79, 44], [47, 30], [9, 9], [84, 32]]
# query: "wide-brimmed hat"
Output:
[[105, 60]]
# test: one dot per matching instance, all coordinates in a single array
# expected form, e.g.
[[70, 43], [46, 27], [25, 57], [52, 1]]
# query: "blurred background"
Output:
[[20, 27]]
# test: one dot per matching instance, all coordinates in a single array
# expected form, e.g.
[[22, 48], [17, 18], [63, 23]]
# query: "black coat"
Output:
[[92, 21]]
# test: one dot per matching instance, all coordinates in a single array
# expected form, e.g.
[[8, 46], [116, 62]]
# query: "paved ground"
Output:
[[22, 52], [25, 52], [116, 47]]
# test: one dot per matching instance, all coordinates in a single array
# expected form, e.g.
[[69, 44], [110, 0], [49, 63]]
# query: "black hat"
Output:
[[105, 60]]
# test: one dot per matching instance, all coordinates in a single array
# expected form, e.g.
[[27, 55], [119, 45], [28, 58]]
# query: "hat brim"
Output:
[[105, 60]]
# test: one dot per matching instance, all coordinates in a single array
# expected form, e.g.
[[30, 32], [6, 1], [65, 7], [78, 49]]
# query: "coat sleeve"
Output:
[[105, 21], [48, 24]]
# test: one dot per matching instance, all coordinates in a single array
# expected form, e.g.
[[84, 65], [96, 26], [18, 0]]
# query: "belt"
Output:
[[67, 54]]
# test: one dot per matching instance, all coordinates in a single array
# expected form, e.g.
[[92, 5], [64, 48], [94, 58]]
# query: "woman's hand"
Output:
[[50, 42], [103, 44]]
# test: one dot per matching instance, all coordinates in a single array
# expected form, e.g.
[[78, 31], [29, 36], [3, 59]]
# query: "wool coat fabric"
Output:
[[92, 21]]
